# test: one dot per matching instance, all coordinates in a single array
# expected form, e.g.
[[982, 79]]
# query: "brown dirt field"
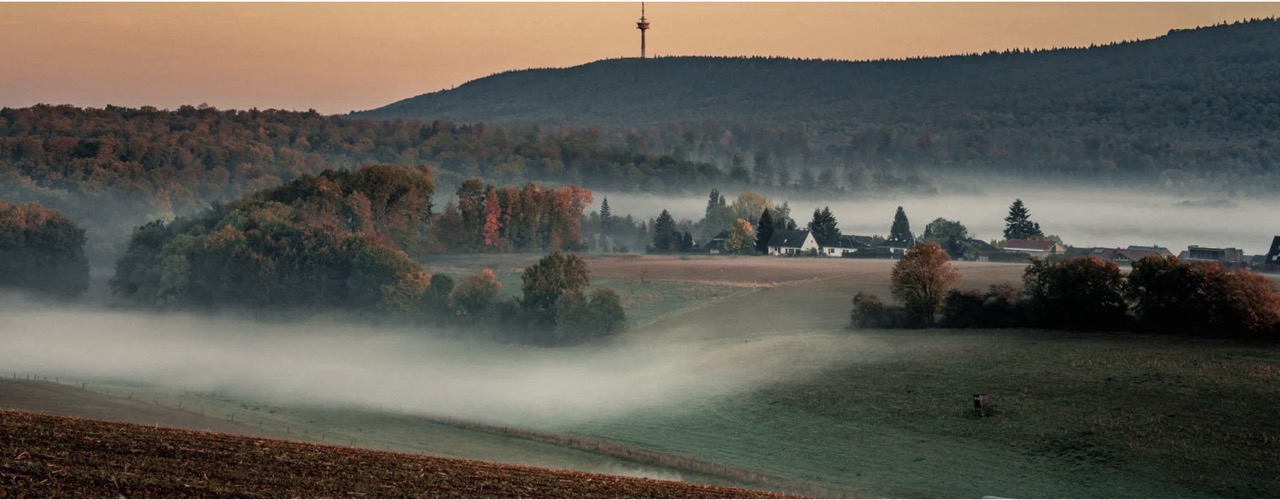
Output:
[[49, 456]]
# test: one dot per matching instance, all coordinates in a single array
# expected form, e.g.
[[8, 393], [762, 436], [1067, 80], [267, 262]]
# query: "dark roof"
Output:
[[1273, 255], [790, 238], [982, 246], [896, 244], [854, 241], [722, 235]]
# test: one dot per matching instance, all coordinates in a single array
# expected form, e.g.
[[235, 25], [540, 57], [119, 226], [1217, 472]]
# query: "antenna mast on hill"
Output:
[[642, 25]]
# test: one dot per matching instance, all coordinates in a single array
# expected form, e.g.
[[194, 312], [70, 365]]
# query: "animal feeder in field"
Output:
[[982, 405]]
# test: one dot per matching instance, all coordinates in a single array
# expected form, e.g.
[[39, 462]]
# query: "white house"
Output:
[[791, 242]]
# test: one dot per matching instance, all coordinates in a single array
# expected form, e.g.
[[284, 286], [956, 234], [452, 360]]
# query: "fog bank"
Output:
[[324, 363]]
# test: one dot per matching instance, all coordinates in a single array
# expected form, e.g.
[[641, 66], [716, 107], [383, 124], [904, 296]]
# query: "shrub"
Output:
[[1201, 297], [921, 279], [997, 308], [871, 312], [473, 296], [1079, 293]]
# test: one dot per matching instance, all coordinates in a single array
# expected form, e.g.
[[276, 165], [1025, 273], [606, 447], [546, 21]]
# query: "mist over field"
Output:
[[1083, 217], [333, 364]]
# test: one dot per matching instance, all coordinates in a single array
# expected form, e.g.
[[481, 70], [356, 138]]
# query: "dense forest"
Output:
[[116, 168], [1192, 108]]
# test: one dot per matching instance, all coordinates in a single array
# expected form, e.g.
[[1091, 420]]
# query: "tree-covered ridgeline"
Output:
[[1193, 109]]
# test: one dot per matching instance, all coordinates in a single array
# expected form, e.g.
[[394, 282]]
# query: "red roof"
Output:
[[1040, 245]]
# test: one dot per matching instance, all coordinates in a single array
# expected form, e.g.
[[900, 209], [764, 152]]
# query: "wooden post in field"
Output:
[[982, 404]]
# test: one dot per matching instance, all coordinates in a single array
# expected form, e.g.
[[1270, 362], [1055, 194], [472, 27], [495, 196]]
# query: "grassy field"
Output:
[[838, 412]]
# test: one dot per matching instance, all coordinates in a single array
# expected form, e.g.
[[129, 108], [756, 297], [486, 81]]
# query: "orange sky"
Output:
[[335, 57]]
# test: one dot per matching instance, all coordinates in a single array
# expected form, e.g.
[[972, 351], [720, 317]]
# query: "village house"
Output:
[[897, 247], [789, 242], [716, 245], [849, 244], [1034, 248]]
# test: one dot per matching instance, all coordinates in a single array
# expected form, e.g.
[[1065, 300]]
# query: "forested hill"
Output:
[[1217, 78], [1191, 109]]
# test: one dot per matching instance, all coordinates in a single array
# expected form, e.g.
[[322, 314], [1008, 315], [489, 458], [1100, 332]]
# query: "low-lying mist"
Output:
[[1084, 217], [326, 363]]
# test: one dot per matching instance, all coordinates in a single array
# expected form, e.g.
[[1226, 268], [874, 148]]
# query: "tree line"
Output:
[[1159, 294], [337, 241]]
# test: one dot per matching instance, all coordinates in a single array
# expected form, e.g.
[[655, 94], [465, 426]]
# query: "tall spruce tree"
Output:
[[823, 227], [1018, 225], [666, 238], [713, 202], [901, 230], [764, 232]]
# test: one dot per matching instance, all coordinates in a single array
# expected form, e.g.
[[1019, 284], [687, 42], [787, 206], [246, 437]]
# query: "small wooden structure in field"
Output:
[[982, 405]]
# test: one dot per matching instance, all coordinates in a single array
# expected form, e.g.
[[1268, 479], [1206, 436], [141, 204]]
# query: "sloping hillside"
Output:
[[1187, 109], [47, 456], [1155, 82]]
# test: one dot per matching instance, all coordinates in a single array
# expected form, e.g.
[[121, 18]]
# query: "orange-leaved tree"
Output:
[[920, 280]]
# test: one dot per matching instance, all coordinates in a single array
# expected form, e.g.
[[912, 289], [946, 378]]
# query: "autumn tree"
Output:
[[920, 280], [1201, 297], [491, 232], [1018, 224], [741, 238]]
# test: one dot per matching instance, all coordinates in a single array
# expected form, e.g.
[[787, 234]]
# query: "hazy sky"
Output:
[[336, 57]]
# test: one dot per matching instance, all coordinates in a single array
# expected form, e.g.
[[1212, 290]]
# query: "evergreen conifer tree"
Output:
[[764, 232], [901, 229], [823, 227], [1018, 225]]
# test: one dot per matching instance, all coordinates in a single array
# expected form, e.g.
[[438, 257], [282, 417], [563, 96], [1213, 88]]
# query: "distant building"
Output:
[[1230, 256], [1153, 249], [897, 247], [1129, 255], [788, 242], [1273, 255], [716, 245], [849, 244], [1036, 248]]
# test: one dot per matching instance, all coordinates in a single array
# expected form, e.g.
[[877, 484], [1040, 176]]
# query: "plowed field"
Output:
[[48, 456]]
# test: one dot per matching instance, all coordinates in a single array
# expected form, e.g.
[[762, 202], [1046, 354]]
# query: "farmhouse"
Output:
[[1037, 248], [716, 245], [791, 242]]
